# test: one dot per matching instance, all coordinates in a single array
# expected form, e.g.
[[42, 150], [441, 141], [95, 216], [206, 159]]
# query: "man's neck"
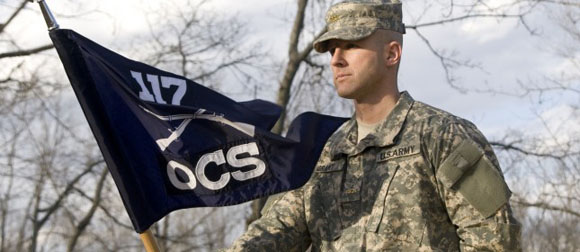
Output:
[[375, 110]]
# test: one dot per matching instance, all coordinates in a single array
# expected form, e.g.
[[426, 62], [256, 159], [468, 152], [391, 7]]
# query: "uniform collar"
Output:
[[344, 141]]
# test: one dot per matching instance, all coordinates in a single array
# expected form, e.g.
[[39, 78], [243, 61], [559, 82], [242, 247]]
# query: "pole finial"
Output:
[[48, 17]]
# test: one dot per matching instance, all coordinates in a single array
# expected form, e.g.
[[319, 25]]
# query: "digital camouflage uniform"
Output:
[[424, 180]]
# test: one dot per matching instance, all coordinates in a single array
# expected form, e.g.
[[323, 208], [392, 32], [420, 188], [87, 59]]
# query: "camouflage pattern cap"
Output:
[[353, 20]]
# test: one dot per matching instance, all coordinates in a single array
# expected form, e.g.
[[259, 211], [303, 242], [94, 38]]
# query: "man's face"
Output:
[[358, 66]]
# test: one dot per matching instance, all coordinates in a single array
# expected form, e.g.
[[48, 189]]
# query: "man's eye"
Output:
[[331, 50], [350, 46]]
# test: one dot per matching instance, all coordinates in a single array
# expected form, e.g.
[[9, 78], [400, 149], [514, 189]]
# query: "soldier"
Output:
[[400, 175]]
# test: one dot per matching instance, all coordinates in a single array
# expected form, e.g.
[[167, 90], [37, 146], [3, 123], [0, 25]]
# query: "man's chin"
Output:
[[346, 95]]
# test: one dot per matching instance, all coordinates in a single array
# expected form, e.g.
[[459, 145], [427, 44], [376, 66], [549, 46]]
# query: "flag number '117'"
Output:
[[217, 157], [166, 82]]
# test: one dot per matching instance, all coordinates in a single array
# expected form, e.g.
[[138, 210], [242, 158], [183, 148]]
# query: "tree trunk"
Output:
[[81, 227], [295, 59]]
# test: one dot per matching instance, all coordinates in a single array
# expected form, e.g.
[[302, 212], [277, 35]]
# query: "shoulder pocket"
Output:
[[470, 173]]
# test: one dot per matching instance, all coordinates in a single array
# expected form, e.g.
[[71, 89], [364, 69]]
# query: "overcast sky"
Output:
[[505, 50]]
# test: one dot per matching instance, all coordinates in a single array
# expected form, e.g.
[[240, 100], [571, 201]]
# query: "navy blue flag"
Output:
[[171, 143]]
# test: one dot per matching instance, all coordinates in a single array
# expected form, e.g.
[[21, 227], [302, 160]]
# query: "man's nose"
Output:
[[337, 59]]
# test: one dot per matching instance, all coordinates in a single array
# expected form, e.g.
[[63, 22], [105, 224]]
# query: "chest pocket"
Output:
[[378, 209], [390, 159], [394, 217], [324, 201]]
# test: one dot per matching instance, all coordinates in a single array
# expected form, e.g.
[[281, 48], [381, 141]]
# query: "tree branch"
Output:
[[309, 46], [222, 66], [82, 225], [564, 3], [465, 17], [447, 63], [20, 53], [297, 29], [295, 58], [547, 206], [14, 14], [511, 146], [50, 210]]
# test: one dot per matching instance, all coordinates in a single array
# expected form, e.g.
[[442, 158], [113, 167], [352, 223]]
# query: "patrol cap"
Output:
[[353, 20]]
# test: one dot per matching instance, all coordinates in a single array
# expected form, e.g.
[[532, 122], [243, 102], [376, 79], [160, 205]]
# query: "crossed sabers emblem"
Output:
[[163, 143]]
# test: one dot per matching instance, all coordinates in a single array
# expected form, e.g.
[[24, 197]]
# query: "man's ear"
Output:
[[393, 51]]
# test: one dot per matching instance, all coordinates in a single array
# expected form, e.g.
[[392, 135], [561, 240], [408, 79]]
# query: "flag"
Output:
[[171, 143]]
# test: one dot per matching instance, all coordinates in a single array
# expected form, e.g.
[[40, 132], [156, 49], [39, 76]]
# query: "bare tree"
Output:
[[541, 160], [200, 44], [39, 148], [86, 220], [53, 184], [63, 191]]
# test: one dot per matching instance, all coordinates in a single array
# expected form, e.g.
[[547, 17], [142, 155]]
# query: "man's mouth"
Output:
[[341, 76]]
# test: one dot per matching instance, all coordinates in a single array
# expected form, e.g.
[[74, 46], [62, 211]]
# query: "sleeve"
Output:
[[281, 228], [473, 189]]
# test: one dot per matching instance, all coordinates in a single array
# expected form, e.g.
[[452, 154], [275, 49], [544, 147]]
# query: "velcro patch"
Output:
[[472, 174], [458, 163], [484, 188]]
